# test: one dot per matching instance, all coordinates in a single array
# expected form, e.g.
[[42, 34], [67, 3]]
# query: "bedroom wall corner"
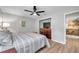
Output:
[[58, 27]]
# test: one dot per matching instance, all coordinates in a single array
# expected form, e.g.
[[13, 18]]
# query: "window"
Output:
[[5, 25]]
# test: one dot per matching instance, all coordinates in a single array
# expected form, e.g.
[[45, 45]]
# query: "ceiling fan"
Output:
[[34, 12]]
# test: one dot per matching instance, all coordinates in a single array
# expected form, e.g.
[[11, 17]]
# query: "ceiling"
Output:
[[49, 10]]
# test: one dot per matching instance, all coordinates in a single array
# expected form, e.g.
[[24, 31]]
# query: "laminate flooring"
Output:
[[71, 46]]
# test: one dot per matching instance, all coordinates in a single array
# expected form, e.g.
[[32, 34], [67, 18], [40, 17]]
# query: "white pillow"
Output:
[[6, 38]]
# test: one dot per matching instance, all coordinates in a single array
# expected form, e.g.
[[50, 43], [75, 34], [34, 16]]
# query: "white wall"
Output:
[[15, 23], [58, 27]]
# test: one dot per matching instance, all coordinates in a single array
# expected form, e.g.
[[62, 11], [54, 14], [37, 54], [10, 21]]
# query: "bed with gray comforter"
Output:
[[22, 42]]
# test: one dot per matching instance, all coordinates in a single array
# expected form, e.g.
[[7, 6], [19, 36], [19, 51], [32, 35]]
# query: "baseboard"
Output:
[[59, 42], [72, 36]]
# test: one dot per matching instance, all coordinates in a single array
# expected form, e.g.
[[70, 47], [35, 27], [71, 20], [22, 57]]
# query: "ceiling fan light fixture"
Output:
[[34, 14]]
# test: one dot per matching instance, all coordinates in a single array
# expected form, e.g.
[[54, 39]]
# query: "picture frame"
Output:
[[23, 23]]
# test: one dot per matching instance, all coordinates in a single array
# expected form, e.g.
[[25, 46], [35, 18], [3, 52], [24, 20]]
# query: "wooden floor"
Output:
[[71, 46]]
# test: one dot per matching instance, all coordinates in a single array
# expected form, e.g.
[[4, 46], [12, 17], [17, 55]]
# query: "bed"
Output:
[[22, 42]]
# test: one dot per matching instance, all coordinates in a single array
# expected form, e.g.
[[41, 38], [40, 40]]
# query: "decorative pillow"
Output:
[[6, 38]]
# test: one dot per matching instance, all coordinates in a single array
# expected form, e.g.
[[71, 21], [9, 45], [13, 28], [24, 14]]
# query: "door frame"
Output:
[[50, 24], [65, 22]]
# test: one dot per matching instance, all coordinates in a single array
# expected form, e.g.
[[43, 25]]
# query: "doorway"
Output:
[[45, 27], [72, 30], [72, 24]]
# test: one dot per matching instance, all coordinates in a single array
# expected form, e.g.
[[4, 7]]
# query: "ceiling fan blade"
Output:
[[40, 11], [31, 14], [34, 8], [27, 10], [38, 14]]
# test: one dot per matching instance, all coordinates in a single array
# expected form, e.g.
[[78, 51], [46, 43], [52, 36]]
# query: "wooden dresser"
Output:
[[46, 32]]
